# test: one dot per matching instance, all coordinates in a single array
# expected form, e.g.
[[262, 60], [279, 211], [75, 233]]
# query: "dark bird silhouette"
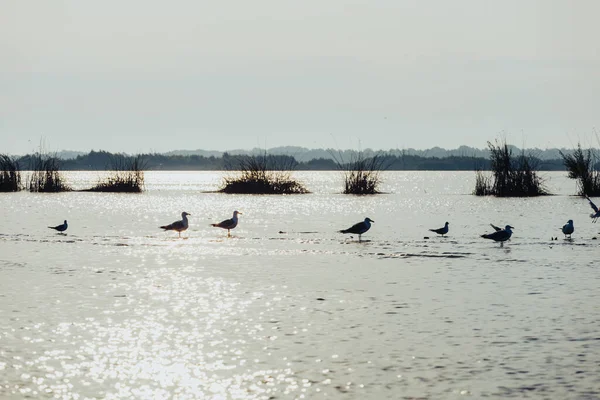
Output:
[[359, 228], [568, 228], [61, 228], [596, 214], [178, 226], [499, 236], [228, 223], [441, 231]]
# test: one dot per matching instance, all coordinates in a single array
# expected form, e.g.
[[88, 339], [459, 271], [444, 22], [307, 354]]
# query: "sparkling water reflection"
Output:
[[289, 308]]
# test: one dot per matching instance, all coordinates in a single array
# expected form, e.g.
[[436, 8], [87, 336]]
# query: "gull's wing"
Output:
[[592, 204], [356, 228], [496, 228], [227, 224], [498, 236], [60, 227], [174, 226]]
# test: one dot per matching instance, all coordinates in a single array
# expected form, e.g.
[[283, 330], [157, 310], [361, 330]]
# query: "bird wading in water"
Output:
[[441, 231], [60, 228], [178, 226], [228, 224], [359, 228]]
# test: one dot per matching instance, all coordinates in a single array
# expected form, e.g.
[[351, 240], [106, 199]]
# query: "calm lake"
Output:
[[288, 308]]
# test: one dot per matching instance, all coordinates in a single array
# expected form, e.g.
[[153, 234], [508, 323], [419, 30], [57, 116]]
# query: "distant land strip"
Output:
[[101, 160]]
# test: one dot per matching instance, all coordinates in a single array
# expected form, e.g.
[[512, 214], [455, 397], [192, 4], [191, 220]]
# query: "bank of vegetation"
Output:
[[10, 174], [45, 174], [511, 176], [261, 174], [126, 175], [583, 165], [361, 174]]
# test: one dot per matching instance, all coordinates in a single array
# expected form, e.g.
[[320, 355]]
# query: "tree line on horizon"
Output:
[[101, 160]]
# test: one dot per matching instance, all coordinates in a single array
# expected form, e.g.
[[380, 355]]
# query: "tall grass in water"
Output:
[[483, 184], [581, 165], [10, 174], [362, 175], [511, 176], [127, 175], [261, 174], [45, 174]]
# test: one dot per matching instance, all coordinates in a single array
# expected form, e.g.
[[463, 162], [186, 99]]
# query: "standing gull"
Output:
[[499, 236], [441, 231], [178, 226], [568, 228], [61, 228], [596, 214], [228, 224], [359, 228]]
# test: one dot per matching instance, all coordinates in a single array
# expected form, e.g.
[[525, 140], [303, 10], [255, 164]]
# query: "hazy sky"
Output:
[[142, 75]]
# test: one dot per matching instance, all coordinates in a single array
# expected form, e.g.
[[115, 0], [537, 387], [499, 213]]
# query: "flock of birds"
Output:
[[178, 226], [182, 225], [499, 234], [502, 235]]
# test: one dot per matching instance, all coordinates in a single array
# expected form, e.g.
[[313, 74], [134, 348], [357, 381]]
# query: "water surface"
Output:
[[290, 308]]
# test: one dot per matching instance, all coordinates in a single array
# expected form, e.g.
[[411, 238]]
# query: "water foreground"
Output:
[[288, 308]]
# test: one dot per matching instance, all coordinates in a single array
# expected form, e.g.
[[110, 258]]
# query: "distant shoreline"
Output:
[[101, 160]]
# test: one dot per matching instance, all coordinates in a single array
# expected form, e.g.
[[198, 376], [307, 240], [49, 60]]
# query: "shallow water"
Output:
[[289, 308]]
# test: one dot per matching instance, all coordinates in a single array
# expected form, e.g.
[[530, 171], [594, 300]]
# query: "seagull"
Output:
[[568, 229], [61, 228], [596, 214], [228, 223], [359, 228], [178, 226], [441, 231], [499, 236]]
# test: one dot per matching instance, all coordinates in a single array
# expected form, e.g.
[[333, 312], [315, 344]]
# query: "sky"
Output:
[[145, 75]]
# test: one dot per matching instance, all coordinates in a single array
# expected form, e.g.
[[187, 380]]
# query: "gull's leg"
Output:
[[228, 233]]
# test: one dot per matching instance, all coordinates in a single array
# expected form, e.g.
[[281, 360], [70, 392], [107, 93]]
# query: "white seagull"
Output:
[[228, 224], [501, 235], [178, 226], [568, 228], [441, 231], [596, 214], [61, 228], [359, 228]]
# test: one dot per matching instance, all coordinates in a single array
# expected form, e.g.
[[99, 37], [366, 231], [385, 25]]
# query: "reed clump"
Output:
[[483, 184], [511, 176], [45, 174], [261, 174], [10, 174], [582, 165], [127, 175], [362, 174]]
